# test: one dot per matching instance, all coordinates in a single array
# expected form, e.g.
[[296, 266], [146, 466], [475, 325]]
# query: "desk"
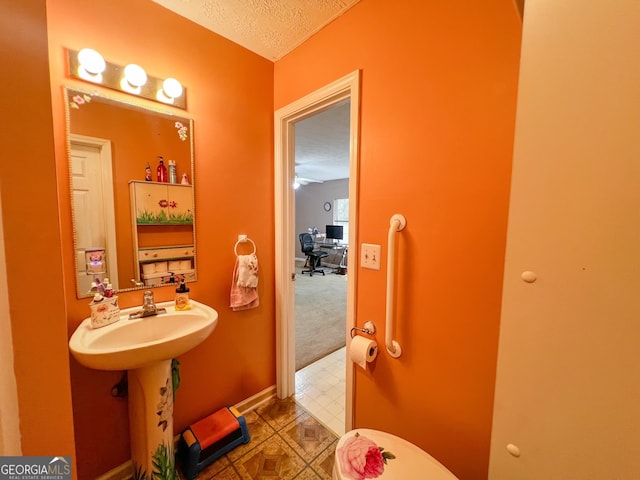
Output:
[[337, 254]]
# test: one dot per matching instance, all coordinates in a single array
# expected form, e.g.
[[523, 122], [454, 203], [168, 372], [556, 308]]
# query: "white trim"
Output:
[[345, 87], [121, 472], [104, 146], [10, 443], [256, 400]]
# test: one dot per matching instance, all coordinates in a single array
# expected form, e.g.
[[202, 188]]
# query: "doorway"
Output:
[[321, 215], [286, 235]]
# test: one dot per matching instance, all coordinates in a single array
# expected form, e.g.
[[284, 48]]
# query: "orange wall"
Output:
[[230, 97], [32, 235], [437, 120]]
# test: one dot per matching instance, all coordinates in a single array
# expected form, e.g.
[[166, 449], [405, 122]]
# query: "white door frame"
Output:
[[9, 411], [345, 87], [104, 146]]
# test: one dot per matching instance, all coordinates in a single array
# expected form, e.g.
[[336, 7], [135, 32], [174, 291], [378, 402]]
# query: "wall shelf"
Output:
[[162, 220]]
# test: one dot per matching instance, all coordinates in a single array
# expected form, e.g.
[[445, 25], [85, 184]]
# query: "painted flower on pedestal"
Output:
[[360, 458], [165, 407]]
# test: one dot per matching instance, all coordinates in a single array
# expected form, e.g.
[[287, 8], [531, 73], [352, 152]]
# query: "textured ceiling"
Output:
[[270, 28], [322, 144]]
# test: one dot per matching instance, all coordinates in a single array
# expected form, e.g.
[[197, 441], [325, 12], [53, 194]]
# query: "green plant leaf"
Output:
[[139, 473], [164, 464], [175, 376]]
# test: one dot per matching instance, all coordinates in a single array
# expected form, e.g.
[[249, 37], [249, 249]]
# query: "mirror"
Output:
[[128, 227]]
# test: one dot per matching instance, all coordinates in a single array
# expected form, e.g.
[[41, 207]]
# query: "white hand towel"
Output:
[[244, 297], [248, 271]]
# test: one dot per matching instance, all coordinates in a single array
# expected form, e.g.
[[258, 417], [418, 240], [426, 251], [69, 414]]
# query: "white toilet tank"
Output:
[[365, 453]]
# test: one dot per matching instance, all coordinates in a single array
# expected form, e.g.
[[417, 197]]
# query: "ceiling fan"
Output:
[[304, 181]]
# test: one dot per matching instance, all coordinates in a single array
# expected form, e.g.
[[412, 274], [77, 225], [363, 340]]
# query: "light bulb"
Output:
[[135, 75], [91, 61], [91, 65], [172, 88]]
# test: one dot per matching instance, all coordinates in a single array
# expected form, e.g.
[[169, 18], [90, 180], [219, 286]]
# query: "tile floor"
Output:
[[320, 388], [286, 443], [293, 438]]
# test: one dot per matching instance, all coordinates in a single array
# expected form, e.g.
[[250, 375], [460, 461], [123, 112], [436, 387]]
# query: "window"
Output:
[[341, 216]]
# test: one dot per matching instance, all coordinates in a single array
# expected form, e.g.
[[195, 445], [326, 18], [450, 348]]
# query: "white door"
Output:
[[9, 414], [93, 211]]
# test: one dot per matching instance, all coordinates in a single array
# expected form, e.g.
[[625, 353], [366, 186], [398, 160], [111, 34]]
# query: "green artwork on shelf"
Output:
[[162, 218]]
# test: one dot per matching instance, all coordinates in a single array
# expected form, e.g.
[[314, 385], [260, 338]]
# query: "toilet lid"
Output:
[[365, 453]]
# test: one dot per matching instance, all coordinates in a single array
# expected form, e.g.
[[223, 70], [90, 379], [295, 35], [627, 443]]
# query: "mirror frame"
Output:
[[153, 109]]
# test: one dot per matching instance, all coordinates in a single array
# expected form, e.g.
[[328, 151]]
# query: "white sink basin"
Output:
[[130, 344]]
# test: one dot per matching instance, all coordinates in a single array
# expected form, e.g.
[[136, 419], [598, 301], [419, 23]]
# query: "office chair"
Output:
[[313, 257]]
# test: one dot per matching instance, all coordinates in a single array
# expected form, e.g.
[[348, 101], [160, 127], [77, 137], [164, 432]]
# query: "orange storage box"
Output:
[[208, 439]]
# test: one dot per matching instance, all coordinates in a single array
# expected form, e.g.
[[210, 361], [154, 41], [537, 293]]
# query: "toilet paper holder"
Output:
[[369, 329]]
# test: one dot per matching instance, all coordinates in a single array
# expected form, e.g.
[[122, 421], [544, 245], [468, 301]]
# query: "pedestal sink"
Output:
[[145, 347]]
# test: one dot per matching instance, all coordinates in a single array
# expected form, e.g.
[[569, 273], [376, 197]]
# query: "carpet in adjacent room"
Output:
[[321, 315]]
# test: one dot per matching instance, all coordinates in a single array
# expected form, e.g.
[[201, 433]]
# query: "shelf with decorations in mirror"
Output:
[[162, 219]]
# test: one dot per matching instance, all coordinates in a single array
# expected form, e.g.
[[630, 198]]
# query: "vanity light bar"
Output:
[[88, 65]]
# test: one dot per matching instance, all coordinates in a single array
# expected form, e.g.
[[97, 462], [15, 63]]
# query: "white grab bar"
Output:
[[397, 224]]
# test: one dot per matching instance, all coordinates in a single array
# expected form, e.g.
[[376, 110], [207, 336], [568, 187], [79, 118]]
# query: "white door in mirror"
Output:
[[91, 172]]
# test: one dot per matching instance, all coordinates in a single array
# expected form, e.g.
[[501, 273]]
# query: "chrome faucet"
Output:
[[148, 303], [149, 307]]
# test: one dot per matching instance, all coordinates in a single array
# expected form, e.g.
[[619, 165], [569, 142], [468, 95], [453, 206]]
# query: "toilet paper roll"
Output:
[[161, 267], [148, 268], [362, 350]]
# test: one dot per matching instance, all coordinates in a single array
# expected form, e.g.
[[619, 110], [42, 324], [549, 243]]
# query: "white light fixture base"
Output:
[[88, 65]]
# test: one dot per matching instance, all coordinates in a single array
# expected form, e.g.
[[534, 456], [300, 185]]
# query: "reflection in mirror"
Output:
[[130, 227]]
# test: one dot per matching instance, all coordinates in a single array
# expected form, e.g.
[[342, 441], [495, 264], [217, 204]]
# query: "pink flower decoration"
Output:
[[360, 458], [78, 100]]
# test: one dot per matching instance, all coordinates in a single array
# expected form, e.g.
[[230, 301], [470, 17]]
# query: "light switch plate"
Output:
[[370, 256]]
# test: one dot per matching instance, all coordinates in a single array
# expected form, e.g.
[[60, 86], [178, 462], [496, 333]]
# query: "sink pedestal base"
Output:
[[151, 422]]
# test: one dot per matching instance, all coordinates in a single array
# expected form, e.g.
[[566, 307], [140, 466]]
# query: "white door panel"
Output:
[[93, 209]]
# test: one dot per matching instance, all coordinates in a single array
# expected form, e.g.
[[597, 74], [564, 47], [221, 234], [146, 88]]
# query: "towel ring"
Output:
[[243, 239]]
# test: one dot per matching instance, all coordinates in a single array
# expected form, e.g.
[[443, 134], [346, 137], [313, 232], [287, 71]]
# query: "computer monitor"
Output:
[[334, 232]]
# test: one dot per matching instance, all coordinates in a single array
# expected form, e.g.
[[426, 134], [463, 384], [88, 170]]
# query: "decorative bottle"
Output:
[[173, 177], [162, 171], [147, 173]]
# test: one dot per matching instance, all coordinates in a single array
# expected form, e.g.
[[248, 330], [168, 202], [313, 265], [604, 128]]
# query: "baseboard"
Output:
[[124, 471], [121, 472], [256, 400]]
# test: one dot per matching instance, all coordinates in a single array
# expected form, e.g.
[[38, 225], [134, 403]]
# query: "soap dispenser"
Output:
[[182, 296]]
